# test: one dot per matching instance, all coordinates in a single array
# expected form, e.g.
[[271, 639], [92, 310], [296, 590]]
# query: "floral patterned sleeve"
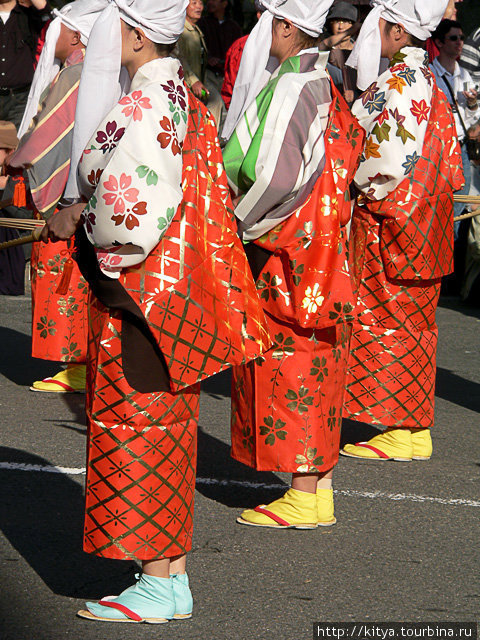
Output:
[[132, 173], [394, 111]]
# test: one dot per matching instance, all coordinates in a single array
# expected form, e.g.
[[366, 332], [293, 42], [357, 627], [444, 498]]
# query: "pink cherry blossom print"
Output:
[[107, 259], [134, 103], [119, 193]]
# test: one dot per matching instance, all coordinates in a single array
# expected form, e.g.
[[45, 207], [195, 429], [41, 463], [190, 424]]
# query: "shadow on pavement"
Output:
[[16, 364], [76, 404], [41, 515], [454, 303], [219, 385], [353, 432], [457, 390], [214, 463]]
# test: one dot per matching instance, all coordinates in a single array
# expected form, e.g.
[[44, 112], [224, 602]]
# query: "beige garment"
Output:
[[215, 103], [192, 53]]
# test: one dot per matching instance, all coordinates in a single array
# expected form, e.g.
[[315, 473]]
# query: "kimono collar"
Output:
[[309, 60], [77, 57], [158, 70], [411, 56]]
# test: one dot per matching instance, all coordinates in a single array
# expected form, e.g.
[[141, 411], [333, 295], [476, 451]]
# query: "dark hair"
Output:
[[306, 41], [443, 28], [163, 50], [302, 39], [412, 40]]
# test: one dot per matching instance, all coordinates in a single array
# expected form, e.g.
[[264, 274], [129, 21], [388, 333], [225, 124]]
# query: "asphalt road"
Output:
[[405, 547]]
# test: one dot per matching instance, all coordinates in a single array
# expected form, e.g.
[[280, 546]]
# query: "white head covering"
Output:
[[103, 81], [256, 65], [78, 16], [418, 17]]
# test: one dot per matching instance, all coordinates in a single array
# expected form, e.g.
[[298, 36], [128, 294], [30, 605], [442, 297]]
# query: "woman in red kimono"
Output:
[[290, 160], [173, 303], [402, 231], [59, 292]]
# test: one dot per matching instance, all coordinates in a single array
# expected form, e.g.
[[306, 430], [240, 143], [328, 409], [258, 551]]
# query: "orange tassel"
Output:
[[20, 194], [64, 284]]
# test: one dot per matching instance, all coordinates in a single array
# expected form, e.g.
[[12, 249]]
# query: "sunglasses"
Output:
[[455, 38]]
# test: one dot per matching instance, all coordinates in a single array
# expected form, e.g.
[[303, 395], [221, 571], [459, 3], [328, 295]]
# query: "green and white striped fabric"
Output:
[[277, 151]]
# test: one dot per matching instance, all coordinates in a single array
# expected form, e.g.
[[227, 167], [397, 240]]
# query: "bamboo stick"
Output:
[[471, 214], [21, 223], [466, 198], [33, 237]]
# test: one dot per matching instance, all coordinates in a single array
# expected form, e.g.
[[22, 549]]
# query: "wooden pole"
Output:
[[32, 237]]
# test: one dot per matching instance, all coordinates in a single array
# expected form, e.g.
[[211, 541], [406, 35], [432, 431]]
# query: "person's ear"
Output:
[[139, 39], [287, 29], [76, 39], [398, 32]]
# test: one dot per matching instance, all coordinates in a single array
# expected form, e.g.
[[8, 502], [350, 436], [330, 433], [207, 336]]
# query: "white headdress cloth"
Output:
[[78, 16], [256, 65], [103, 81], [418, 17]]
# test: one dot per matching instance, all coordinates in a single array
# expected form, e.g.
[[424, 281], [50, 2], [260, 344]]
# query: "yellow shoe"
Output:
[[325, 515], [422, 444], [392, 444], [294, 510], [69, 380]]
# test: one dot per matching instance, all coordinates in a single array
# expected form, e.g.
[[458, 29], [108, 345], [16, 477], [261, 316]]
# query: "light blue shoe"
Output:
[[150, 600], [183, 596]]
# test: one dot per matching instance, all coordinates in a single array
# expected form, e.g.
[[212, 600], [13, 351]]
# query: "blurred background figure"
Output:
[[13, 203], [343, 15], [220, 32], [192, 52], [232, 61], [457, 85], [450, 14], [470, 58], [20, 26], [470, 291]]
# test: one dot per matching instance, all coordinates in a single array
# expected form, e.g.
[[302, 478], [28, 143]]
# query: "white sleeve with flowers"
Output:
[[394, 111], [131, 171]]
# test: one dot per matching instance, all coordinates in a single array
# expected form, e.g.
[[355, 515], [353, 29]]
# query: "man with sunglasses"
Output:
[[458, 86]]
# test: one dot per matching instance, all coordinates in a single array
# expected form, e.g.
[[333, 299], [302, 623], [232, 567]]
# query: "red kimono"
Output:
[[187, 312], [287, 405], [59, 320], [401, 247]]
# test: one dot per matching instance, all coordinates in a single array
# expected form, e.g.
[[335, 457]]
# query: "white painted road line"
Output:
[[398, 497]]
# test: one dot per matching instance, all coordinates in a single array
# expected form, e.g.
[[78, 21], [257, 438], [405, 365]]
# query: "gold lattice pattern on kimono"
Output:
[[195, 289]]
